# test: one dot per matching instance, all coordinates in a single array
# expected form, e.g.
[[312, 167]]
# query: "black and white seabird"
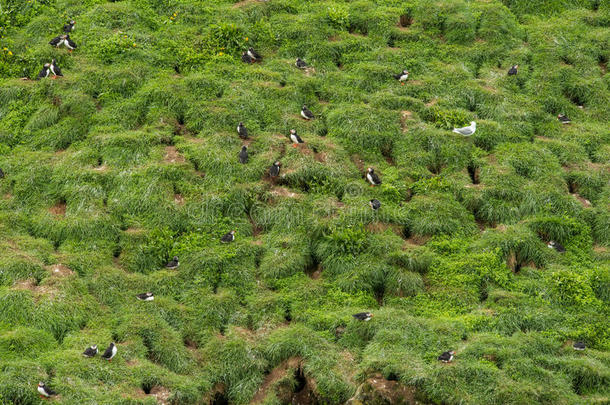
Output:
[[300, 63], [1, 173], [173, 264], [557, 246], [147, 296], [274, 170], [243, 154], [246, 58], [466, 131], [372, 177], [563, 119], [447, 357], [513, 70], [110, 352], [228, 237], [375, 204], [305, 113], [254, 55], [69, 26], [91, 351], [46, 69], [69, 43], [57, 41], [579, 346], [55, 69], [295, 138], [45, 391], [242, 131], [363, 316], [402, 76]]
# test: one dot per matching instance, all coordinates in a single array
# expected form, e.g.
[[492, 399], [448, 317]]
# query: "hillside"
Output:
[[131, 158]]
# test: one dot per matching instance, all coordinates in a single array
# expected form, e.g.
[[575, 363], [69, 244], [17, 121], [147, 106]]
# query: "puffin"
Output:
[[375, 204], [110, 352], [274, 170], [513, 70], [363, 316], [300, 63], [69, 43], [45, 71], [147, 296], [305, 113], [563, 119], [69, 26], [243, 155], [447, 357], [173, 264], [372, 177], [295, 138], [91, 351], [580, 346], [557, 246], [44, 391], [228, 237], [57, 41], [55, 69], [253, 54], [242, 131], [402, 76], [466, 131], [246, 58]]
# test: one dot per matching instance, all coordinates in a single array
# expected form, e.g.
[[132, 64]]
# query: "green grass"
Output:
[[131, 159]]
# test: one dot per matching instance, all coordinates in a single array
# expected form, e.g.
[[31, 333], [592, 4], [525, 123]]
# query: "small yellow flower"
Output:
[[246, 38], [134, 44], [10, 53], [220, 53], [175, 14], [5, 49]]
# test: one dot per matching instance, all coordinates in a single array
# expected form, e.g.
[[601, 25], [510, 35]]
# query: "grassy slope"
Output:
[[131, 159]]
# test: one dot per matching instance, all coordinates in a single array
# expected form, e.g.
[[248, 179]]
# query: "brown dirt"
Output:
[[379, 227], [275, 375], [102, 168], [58, 209], [244, 3], [283, 192], [582, 200], [179, 199], [172, 155], [416, 240], [161, 394], [404, 116], [359, 163], [133, 231], [30, 285], [381, 391], [603, 67], [431, 102], [59, 270]]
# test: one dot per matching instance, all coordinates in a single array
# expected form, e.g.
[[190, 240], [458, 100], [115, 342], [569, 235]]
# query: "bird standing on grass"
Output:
[[228, 237], [375, 204], [147, 296], [44, 391], [242, 131], [557, 246], [580, 346], [295, 138], [246, 58], [69, 26], [57, 41], [300, 63], [254, 55], [110, 352], [91, 351], [402, 76], [305, 113], [69, 43], [372, 177], [447, 357], [274, 170], [513, 70], [243, 154], [466, 131], [363, 316], [55, 69], [563, 119], [46, 69], [173, 264]]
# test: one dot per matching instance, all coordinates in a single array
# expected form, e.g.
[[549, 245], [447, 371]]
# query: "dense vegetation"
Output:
[[131, 159]]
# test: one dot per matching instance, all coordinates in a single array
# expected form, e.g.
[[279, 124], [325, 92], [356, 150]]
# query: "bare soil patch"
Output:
[[172, 155], [59, 270], [58, 209]]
